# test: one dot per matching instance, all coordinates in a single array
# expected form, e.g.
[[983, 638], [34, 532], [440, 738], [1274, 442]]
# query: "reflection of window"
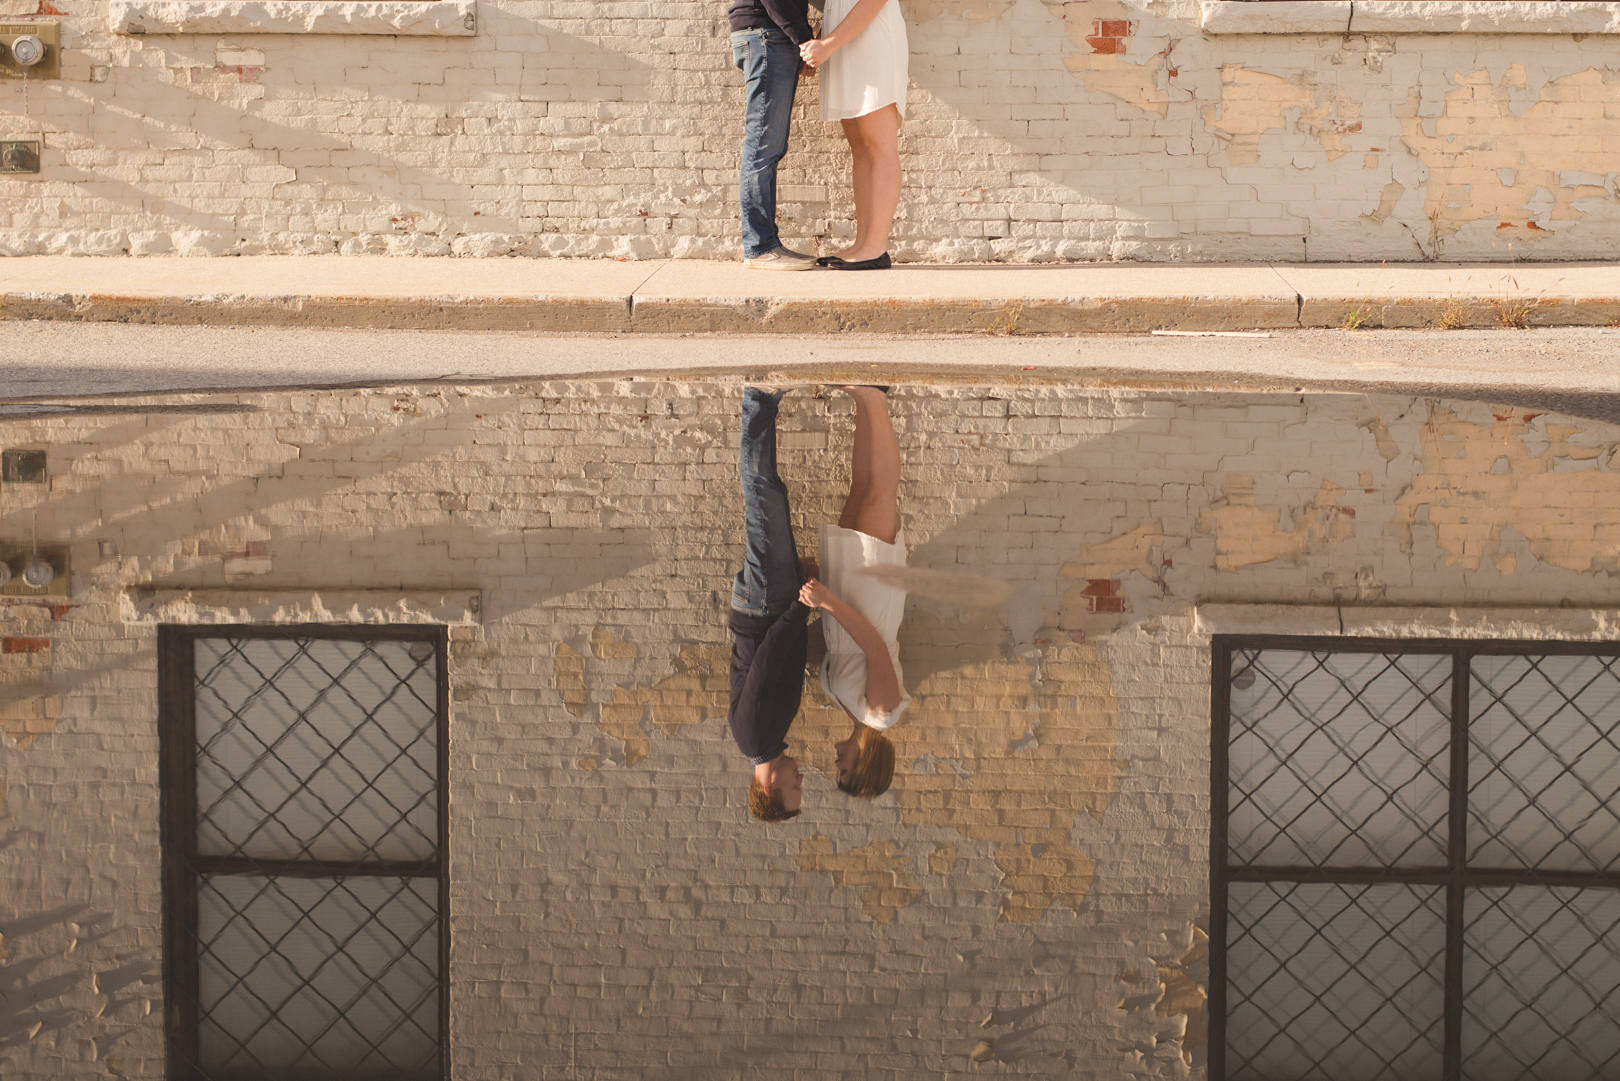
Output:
[[304, 817], [1415, 861]]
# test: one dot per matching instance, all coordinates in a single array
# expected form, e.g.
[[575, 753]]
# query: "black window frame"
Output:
[[1456, 876], [177, 782]]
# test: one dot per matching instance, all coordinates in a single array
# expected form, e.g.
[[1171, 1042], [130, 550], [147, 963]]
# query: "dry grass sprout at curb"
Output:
[[950, 587], [1452, 318], [1355, 318], [1006, 321], [1513, 314]]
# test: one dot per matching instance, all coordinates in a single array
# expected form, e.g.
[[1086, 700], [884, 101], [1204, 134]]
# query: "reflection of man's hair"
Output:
[[874, 766], [767, 807]]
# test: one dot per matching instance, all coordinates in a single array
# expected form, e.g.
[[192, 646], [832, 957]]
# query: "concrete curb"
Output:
[[770, 315]]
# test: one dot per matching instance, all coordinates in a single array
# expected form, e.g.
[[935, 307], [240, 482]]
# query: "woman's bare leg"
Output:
[[875, 138], [874, 485], [860, 169]]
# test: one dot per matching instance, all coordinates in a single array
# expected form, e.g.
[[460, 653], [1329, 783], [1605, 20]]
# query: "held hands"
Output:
[[815, 595], [816, 51]]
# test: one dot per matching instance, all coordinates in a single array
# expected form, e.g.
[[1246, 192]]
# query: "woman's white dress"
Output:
[[869, 72], [844, 553]]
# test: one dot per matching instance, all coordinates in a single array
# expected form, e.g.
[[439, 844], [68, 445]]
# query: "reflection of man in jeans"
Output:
[[765, 40], [767, 621]]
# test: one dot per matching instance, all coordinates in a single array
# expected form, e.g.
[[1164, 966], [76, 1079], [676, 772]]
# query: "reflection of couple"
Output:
[[774, 592]]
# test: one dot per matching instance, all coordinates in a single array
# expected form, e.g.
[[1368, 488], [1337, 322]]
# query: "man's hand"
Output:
[[810, 567], [815, 595]]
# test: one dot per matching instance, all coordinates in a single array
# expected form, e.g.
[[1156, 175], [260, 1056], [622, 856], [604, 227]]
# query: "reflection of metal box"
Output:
[[17, 557], [49, 66], [19, 155], [22, 466]]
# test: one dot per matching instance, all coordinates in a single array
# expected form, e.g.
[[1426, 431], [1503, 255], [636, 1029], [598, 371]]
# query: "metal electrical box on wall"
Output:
[[49, 66], [18, 556]]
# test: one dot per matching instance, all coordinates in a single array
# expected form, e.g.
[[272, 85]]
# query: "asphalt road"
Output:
[[1575, 371]]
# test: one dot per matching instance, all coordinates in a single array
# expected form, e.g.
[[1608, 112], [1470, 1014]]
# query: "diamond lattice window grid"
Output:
[[1416, 860], [303, 856]]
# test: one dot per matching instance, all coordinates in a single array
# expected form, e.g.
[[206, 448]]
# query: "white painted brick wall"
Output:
[[613, 129], [616, 918]]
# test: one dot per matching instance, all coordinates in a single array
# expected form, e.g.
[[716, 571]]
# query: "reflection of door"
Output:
[[1415, 860], [304, 838]]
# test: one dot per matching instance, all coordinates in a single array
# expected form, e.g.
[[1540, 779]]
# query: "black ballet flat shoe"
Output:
[[828, 260], [882, 262]]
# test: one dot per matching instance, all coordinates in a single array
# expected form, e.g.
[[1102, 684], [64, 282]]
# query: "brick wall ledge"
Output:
[[1440, 621], [1411, 17], [422, 18], [154, 604]]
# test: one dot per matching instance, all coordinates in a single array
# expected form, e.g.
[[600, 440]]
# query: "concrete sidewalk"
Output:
[[682, 296]]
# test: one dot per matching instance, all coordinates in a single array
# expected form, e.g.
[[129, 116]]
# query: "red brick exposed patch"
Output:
[[1108, 36], [24, 645], [1102, 595]]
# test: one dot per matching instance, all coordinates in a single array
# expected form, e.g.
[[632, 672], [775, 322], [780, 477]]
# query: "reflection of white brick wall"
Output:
[[1042, 858], [1039, 130]]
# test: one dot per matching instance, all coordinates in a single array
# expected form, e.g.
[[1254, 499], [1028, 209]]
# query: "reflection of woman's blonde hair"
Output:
[[767, 806], [874, 765]]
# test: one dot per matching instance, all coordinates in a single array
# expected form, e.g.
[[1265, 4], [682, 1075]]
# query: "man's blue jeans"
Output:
[[770, 62], [770, 578]]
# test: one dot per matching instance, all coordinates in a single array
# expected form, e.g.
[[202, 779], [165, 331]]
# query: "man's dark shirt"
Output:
[[789, 16], [767, 679]]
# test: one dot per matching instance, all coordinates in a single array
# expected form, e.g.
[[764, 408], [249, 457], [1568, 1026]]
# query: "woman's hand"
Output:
[[816, 51], [815, 595]]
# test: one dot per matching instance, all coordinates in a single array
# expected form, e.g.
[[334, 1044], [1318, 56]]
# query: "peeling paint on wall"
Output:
[[1480, 479], [1036, 876], [1386, 200], [1096, 606], [28, 709], [697, 690], [605, 647], [1499, 151], [1101, 31], [874, 868], [972, 12], [1374, 426], [569, 668], [1184, 996], [1254, 103], [1246, 535]]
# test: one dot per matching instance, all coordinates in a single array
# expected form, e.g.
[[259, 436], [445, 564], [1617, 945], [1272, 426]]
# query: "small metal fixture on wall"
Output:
[[16, 560], [26, 46], [37, 573]]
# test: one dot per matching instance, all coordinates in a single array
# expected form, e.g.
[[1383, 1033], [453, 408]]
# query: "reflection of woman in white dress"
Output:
[[862, 63], [862, 669]]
